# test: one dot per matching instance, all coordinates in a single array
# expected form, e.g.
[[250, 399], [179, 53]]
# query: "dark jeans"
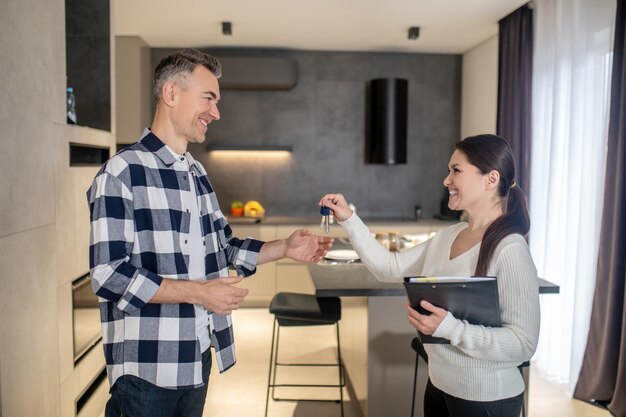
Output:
[[439, 404], [135, 397]]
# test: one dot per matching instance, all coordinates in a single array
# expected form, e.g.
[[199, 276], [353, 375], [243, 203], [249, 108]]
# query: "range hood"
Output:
[[387, 121]]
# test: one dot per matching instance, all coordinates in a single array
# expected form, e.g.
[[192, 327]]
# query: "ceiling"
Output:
[[447, 26]]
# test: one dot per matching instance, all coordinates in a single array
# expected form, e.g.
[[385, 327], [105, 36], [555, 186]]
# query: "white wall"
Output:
[[479, 93]]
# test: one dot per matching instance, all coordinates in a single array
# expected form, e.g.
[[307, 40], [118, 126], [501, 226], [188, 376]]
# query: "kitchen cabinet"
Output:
[[261, 285], [292, 276], [88, 28], [286, 275]]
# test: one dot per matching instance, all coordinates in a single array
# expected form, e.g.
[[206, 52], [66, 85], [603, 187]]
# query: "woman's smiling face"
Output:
[[465, 183]]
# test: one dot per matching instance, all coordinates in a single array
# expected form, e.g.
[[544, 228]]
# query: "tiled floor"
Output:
[[241, 391]]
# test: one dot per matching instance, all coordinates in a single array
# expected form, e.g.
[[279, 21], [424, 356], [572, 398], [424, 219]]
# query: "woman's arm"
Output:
[[384, 265]]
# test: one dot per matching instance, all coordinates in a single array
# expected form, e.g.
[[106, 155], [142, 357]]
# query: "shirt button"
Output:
[[204, 243], [185, 178], [182, 158], [185, 242], [187, 210]]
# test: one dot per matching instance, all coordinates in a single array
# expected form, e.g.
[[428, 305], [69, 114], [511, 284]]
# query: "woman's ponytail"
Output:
[[515, 220]]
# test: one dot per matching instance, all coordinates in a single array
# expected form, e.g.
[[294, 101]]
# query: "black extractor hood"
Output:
[[387, 121]]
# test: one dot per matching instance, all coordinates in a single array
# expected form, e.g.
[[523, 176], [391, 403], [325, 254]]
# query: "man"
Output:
[[161, 250]]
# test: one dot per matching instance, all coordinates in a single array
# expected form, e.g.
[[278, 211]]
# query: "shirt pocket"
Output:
[[219, 235], [219, 226]]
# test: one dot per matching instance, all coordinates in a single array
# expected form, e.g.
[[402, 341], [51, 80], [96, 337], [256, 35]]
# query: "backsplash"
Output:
[[324, 119]]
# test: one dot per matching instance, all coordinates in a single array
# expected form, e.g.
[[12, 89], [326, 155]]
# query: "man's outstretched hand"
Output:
[[303, 246]]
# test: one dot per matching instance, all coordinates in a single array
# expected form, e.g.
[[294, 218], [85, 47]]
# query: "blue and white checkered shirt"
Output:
[[139, 233]]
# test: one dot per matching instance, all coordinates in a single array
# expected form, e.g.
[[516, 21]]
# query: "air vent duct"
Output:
[[387, 121]]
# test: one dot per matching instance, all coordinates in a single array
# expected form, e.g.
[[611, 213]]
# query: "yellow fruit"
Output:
[[253, 209]]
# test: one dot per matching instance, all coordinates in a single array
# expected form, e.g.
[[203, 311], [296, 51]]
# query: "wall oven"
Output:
[[86, 317]]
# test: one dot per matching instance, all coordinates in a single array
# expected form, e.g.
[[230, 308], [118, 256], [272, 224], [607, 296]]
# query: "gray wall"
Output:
[[323, 118], [133, 88], [44, 219]]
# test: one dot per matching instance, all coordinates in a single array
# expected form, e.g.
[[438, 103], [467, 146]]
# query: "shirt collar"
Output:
[[168, 156], [155, 145]]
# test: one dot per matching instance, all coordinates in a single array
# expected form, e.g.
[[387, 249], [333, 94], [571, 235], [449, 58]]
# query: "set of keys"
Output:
[[327, 218]]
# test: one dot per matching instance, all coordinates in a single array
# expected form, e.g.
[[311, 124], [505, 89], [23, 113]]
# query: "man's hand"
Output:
[[423, 323], [220, 295], [303, 246]]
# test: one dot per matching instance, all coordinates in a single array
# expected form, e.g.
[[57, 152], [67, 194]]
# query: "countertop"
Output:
[[314, 220], [332, 279]]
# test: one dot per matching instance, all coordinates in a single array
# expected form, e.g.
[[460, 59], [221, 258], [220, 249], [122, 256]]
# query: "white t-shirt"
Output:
[[196, 251]]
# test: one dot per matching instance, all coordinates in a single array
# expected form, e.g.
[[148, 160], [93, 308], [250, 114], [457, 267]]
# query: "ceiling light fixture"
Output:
[[414, 32], [227, 28]]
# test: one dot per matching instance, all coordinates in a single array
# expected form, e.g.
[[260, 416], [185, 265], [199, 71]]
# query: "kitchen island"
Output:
[[380, 375]]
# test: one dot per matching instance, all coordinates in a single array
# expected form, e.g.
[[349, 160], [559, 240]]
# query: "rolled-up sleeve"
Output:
[[242, 254], [114, 278]]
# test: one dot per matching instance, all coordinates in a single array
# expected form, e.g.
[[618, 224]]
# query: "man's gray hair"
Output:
[[178, 66]]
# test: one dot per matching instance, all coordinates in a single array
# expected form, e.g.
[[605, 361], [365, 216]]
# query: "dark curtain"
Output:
[[603, 373], [515, 67]]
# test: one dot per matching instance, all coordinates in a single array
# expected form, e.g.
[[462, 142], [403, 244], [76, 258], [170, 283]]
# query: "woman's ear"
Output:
[[493, 179]]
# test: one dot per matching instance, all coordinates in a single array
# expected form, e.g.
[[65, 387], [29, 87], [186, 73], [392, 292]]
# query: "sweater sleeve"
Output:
[[518, 290], [384, 265]]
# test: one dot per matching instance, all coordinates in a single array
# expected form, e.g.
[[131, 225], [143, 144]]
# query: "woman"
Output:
[[476, 374]]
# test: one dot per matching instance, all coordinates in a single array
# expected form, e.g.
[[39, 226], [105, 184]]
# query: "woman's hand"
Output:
[[338, 204], [427, 324]]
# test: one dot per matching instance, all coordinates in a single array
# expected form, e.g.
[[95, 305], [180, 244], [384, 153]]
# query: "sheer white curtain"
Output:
[[571, 78]]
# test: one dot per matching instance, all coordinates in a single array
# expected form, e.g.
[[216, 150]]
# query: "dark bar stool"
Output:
[[291, 310], [418, 347]]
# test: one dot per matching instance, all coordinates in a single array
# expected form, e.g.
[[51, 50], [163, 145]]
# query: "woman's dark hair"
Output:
[[179, 65], [489, 153]]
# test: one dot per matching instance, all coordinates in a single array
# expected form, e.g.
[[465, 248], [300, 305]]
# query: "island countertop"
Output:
[[315, 220], [354, 280]]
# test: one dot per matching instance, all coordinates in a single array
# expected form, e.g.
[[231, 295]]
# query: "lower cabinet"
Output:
[[293, 277], [262, 285]]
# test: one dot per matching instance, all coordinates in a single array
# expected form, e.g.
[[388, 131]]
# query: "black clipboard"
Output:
[[474, 299]]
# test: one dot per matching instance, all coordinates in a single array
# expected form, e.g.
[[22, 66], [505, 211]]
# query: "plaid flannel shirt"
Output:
[[139, 231]]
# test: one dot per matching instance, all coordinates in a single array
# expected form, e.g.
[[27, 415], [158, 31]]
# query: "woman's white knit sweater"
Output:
[[480, 363]]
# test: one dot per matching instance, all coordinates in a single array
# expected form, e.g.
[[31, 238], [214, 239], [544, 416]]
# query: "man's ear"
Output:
[[493, 179], [169, 93]]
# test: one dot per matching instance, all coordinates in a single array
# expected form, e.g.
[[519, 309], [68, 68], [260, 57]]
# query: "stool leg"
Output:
[[275, 364], [417, 358], [341, 376], [272, 367]]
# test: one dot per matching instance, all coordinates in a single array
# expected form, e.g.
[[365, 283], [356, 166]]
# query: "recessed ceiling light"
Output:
[[227, 28]]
